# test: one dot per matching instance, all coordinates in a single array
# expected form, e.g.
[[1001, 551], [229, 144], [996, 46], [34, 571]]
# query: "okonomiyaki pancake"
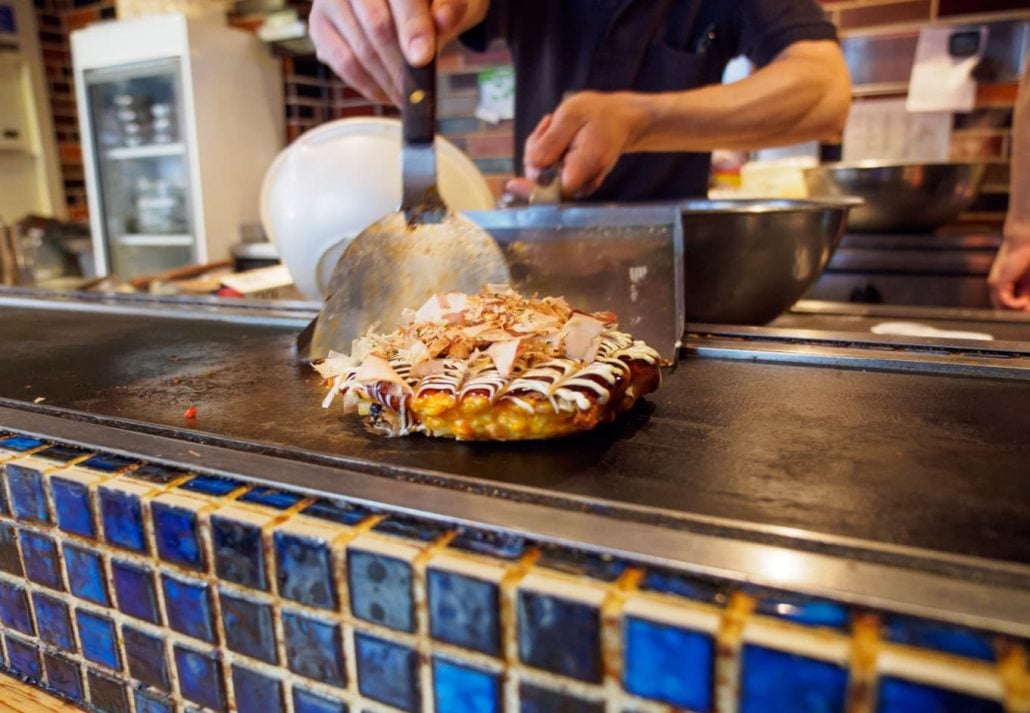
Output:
[[493, 366]]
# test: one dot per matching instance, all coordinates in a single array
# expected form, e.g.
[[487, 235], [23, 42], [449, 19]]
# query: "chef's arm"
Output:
[[1009, 280], [366, 41], [803, 94]]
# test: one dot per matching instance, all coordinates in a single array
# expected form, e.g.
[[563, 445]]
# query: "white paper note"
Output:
[[940, 82], [882, 129]]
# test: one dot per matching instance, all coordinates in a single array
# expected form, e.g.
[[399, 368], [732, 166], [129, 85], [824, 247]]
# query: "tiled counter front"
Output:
[[131, 587]]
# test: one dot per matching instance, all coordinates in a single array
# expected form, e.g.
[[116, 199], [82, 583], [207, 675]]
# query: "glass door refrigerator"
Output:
[[179, 120]]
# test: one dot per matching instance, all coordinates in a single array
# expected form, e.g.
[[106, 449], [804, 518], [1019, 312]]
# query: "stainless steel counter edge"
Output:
[[959, 600]]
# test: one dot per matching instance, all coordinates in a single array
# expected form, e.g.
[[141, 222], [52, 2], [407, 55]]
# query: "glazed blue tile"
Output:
[[106, 463], [200, 678], [559, 636], [239, 552], [270, 497], [28, 501], [796, 683], [20, 443], [134, 590], [61, 454], [304, 570], [388, 672], [23, 657], [53, 621], [175, 532], [410, 528], [64, 676], [380, 589], [805, 611], [188, 606], [122, 515], [493, 544], [98, 639], [10, 562], [72, 507], [157, 474], [14, 608], [340, 513], [256, 693], [669, 582], [940, 637], [314, 648], [464, 611], [42, 565], [900, 696], [85, 572], [602, 567], [147, 702], [534, 699], [668, 663], [106, 694], [248, 627], [308, 702], [461, 689], [210, 485], [146, 659]]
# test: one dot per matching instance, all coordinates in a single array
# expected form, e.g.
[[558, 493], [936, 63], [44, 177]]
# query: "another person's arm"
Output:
[[803, 94], [1010, 275], [365, 41]]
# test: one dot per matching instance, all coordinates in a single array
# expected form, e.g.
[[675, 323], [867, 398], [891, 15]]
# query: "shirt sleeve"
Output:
[[495, 26], [767, 27]]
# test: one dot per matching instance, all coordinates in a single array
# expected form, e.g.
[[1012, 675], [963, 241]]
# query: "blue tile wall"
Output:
[[410, 528], [304, 570], [53, 621], [146, 658], [493, 544], [249, 627], [147, 702], [39, 556], [340, 513], [72, 506], [797, 683], [380, 589], [664, 581], [270, 497], [209, 485], [668, 663], [188, 607], [98, 638], [559, 636], [808, 612], [135, 591], [122, 515], [23, 657], [175, 532], [85, 572], [200, 677], [10, 561], [107, 694], [900, 696], [939, 637], [28, 501], [239, 552], [388, 672], [106, 463], [535, 699], [308, 702], [314, 648], [255, 692], [464, 611], [61, 454], [463, 689], [602, 567], [20, 443], [14, 608], [64, 676]]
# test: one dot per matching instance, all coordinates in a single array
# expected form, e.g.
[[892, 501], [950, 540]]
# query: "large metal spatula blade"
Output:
[[407, 256]]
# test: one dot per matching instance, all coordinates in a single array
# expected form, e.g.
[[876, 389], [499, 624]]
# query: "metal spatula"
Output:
[[407, 256]]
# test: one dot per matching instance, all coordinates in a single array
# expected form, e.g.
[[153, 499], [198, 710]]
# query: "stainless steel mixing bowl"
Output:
[[899, 197], [749, 260]]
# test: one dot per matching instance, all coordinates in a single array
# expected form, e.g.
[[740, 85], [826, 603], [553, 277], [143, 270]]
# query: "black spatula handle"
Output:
[[419, 110]]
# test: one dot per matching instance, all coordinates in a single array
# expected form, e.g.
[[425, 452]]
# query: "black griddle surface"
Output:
[[937, 462]]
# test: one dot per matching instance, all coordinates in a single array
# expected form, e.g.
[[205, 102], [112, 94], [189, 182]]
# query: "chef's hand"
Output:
[[1010, 275], [365, 41], [587, 134]]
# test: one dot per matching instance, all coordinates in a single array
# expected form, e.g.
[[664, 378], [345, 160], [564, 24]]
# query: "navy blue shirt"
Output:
[[561, 46]]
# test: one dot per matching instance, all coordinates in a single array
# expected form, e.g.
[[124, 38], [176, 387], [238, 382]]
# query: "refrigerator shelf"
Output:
[[155, 240], [123, 153]]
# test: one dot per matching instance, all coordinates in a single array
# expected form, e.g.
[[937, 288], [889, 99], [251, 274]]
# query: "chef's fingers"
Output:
[[363, 47], [584, 168], [332, 50], [447, 16], [378, 29], [520, 189], [552, 137], [1004, 297], [1009, 280], [416, 30]]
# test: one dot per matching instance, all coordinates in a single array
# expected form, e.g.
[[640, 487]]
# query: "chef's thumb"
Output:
[[416, 31]]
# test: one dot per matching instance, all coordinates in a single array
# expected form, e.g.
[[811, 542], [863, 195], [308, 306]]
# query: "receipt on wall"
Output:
[[941, 81]]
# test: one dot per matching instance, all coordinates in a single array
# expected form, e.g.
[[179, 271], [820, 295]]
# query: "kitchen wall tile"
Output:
[[121, 512], [255, 692], [237, 541], [457, 687], [410, 528], [53, 622], [135, 592], [23, 657], [107, 694], [200, 677], [177, 530], [248, 627], [947, 8], [494, 544], [157, 475], [42, 564], [897, 695], [61, 454], [107, 463], [388, 672], [314, 648], [146, 659], [884, 14], [210, 485], [85, 572], [14, 608], [798, 683], [602, 567], [73, 506], [340, 513], [804, 610], [379, 577], [10, 560], [188, 607], [98, 639], [663, 581], [271, 497], [148, 702], [304, 571], [939, 637], [464, 599], [537, 699], [25, 490], [305, 701], [64, 676], [14, 445]]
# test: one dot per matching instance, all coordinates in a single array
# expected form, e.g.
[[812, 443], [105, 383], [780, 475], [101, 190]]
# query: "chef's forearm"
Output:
[[1019, 188], [802, 95]]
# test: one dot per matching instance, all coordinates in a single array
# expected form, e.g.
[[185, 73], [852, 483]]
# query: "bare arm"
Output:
[[801, 95], [1010, 275]]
